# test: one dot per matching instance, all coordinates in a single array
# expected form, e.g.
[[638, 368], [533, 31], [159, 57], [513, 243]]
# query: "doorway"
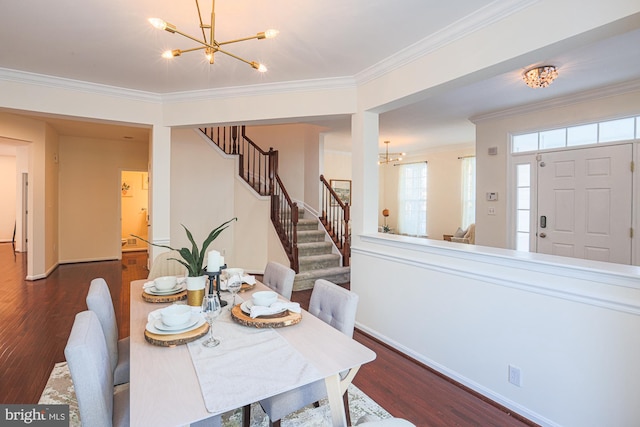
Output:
[[134, 210]]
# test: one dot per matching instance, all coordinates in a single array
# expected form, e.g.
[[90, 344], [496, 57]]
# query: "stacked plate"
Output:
[[157, 327], [151, 289]]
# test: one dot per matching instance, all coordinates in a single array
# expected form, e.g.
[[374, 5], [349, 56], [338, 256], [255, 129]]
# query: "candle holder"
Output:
[[214, 283]]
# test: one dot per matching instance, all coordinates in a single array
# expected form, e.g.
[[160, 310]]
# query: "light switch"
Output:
[[492, 196]]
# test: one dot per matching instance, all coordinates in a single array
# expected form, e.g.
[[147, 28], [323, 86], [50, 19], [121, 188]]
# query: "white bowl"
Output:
[[264, 298], [165, 283], [176, 314]]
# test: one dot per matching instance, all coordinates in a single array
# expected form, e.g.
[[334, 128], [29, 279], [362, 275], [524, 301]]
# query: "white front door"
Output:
[[584, 203]]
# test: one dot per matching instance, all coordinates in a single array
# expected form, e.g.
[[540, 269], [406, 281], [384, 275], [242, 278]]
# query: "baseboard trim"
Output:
[[371, 335]]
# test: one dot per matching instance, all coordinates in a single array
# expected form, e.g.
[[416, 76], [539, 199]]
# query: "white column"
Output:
[[364, 164], [159, 189]]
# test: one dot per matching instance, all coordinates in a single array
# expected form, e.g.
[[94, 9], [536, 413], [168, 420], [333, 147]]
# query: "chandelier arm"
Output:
[[257, 36], [212, 39], [202, 27], [192, 49], [204, 43], [235, 56]]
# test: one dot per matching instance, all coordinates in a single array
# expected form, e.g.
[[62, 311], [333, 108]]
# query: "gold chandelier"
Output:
[[210, 46], [540, 76], [388, 157]]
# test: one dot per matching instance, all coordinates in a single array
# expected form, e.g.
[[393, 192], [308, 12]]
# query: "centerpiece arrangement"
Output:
[[193, 260]]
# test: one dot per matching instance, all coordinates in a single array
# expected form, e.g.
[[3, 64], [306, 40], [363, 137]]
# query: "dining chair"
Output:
[[99, 301], [88, 360], [279, 278], [163, 265], [337, 307]]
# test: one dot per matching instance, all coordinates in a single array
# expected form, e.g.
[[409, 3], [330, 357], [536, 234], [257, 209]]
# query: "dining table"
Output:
[[183, 384]]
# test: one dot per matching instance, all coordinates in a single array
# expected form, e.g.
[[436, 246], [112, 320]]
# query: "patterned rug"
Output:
[[59, 390]]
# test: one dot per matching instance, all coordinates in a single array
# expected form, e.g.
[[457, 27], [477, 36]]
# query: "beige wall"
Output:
[[206, 191], [90, 195], [8, 190], [493, 171], [134, 208]]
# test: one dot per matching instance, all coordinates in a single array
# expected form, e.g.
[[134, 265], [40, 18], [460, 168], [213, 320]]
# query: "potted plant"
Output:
[[193, 258]]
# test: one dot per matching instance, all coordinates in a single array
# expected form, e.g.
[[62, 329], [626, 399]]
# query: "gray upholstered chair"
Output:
[[279, 278], [333, 305], [88, 360], [164, 266], [99, 301]]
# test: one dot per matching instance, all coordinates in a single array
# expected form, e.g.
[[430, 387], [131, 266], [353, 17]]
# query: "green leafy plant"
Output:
[[193, 258]]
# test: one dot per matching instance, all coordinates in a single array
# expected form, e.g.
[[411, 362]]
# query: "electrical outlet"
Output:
[[515, 377], [491, 211]]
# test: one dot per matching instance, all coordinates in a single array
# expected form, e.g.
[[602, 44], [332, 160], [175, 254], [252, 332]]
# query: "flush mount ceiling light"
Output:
[[540, 76], [388, 157], [210, 46]]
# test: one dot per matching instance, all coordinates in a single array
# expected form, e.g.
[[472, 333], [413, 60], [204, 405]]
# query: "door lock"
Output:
[[543, 221]]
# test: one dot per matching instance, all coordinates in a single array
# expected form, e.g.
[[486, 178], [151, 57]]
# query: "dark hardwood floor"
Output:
[[36, 318]]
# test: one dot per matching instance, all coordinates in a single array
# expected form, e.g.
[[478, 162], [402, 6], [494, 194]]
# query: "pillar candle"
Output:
[[213, 261], [221, 261]]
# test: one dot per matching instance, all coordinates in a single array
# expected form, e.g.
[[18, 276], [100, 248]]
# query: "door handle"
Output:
[[543, 221], [543, 235]]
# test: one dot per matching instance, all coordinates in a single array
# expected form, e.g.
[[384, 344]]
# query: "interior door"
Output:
[[585, 202]]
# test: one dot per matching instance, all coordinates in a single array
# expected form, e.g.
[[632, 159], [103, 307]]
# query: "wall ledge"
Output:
[[601, 284]]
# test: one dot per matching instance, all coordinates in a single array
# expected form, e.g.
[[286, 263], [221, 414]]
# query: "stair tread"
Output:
[[318, 257], [314, 244]]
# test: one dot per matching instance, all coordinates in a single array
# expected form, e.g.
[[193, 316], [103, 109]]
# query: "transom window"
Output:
[[594, 133]]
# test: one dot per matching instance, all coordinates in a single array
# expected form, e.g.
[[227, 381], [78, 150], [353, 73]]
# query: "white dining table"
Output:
[[165, 389]]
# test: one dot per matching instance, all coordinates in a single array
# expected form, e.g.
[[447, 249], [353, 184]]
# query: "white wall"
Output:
[[8, 196], [469, 312]]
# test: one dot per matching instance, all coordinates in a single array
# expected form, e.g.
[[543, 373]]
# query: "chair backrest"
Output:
[[99, 301], [164, 266], [88, 360], [279, 278], [334, 305]]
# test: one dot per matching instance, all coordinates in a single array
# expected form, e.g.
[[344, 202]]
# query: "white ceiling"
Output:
[[110, 42]]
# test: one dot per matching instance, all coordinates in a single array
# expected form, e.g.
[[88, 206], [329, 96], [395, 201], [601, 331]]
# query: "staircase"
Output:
[[312, 245], [315, 257]]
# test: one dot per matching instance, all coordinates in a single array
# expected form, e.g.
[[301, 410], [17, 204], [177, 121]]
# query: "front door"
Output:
[[584, 203]]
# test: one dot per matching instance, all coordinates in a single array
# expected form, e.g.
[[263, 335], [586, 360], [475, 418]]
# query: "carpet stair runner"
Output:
[[315, 256]]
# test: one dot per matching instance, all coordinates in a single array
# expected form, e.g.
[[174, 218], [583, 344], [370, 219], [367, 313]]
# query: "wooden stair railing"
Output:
[[259, 169], [256, 166], [335, 218], [284, 216]]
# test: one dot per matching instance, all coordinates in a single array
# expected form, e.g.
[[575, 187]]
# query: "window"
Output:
[[593, 133], [412, 199], [468, 191], [523, 206]]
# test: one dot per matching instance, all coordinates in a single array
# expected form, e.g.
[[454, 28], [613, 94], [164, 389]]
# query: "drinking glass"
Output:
[[234, 283], [211, 309]]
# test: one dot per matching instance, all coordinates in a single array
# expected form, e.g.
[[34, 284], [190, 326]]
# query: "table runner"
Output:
[[249, 364]]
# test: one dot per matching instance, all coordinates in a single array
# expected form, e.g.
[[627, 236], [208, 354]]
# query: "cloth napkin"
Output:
[[250, 280], [276, 307]]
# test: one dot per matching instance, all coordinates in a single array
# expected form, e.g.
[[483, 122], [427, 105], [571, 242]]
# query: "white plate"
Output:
[[192, 321], [246, 308], [151, 327], [153, 291]]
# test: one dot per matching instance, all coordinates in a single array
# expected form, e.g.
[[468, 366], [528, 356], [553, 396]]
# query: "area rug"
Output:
[[59, 390]]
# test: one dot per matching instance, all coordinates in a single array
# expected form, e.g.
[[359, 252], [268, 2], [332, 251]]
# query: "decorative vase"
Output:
[[195, 290]]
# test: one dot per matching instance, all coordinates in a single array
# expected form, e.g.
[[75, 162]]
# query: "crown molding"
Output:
[[25, 77], [562, 101], [262, 89], [484, 17]]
